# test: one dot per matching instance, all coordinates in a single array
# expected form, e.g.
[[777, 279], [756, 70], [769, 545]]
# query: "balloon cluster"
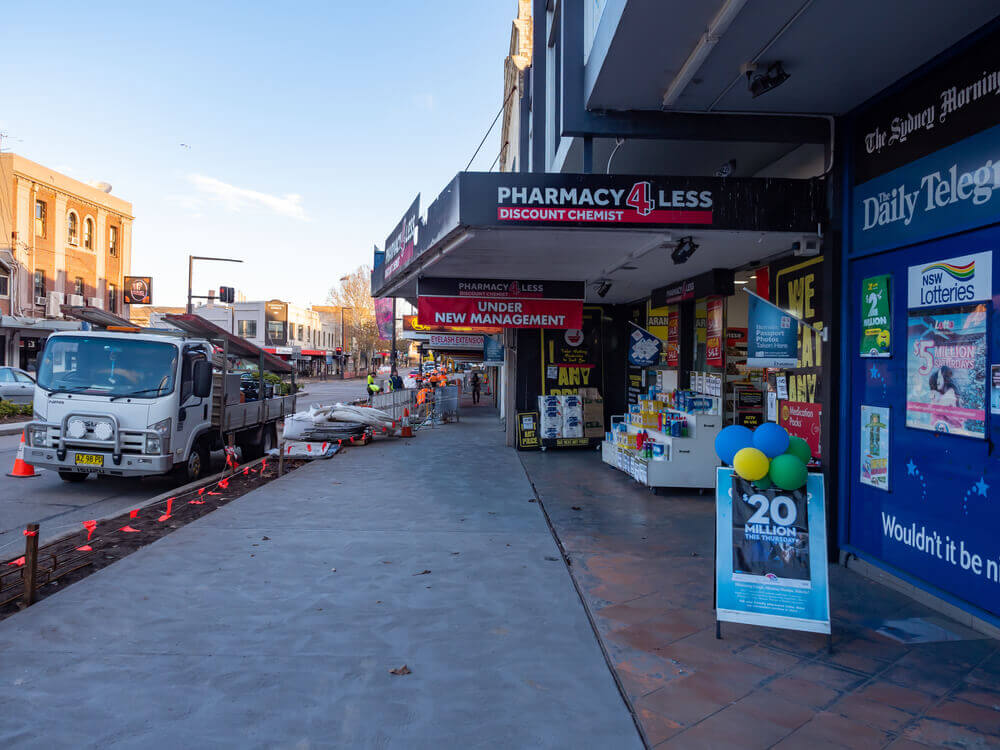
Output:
[[765, 456]]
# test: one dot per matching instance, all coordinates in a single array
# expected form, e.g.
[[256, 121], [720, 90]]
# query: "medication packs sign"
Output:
[[953, 281]]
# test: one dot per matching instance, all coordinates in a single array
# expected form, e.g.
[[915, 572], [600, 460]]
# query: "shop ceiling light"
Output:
[[684, 250], [764, 82], [603, 289]]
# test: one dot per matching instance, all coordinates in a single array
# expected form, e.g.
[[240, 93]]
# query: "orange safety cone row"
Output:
[[406, 430], [22, 469]]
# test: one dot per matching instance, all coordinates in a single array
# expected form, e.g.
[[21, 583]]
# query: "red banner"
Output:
[[802, 419], [503, 313], [713, 333], [674, 339]]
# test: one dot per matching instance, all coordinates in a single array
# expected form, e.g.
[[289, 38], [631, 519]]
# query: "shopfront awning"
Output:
[[603, 228]]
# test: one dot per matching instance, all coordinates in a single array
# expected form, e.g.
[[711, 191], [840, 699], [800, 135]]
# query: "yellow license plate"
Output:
[[89, 459]]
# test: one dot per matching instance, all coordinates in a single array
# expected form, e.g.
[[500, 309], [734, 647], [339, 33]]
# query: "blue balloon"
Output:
[[731, 440], [770, 439]]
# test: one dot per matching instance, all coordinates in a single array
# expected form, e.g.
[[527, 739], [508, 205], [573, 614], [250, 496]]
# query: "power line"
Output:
[[490, 129]]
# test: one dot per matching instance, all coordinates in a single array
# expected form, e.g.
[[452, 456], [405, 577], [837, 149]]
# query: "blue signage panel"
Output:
[[643, 347], [492, 351], [770, 568], [772, 335], [949, 191], [938, 522]]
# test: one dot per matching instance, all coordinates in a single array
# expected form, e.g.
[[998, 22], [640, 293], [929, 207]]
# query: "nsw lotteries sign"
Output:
[[771, 564], [954, 281]]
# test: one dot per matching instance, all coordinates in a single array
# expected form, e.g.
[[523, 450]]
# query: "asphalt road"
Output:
[[59, 505]]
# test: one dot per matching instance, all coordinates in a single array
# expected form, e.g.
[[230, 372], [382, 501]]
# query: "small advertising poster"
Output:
[[643, 347], [772, 339], [876, 317], [771, 563], [804, 420], [995, 391], [946, 370], [674, 338], [527, 431], [875, 446], [713, 332]]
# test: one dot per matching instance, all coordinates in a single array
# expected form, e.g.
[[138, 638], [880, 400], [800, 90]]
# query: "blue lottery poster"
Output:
[[946, 370], [770, 567]]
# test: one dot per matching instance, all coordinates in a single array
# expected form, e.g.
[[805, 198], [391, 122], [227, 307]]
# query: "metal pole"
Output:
[[392, 356], [343, 342], [190, 276]]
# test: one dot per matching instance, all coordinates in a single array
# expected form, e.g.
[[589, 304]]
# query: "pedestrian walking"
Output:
[[476, 385]]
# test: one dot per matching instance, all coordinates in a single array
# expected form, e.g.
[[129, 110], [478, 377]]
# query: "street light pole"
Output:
[[191, 260]]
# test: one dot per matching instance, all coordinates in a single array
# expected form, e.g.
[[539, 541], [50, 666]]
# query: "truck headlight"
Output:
[[36, 435], [159, 443]]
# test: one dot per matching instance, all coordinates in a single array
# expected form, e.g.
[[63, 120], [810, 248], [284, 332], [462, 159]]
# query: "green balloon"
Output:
[[788, 472], [799, 448], [763, 483]]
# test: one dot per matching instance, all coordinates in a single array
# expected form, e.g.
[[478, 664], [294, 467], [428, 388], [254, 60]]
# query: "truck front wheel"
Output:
[[197, 464]]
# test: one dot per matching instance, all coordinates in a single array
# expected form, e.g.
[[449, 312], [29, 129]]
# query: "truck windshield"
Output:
[[108, 367]]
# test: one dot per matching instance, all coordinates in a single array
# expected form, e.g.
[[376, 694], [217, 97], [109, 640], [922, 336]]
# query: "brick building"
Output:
[[61, 242]]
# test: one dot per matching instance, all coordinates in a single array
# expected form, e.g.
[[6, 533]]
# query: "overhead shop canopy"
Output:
[[198, 326], [602, 228]]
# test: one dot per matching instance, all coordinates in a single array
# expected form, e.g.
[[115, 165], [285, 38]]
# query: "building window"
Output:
[[4, 284], [112, 298], [246, 328], [88, 233], [73, 228], [39, 284], [40, 214], [112, 240], [299, 337], [78, 285]]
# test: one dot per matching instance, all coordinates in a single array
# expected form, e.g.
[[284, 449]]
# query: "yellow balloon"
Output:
[[751, 464]]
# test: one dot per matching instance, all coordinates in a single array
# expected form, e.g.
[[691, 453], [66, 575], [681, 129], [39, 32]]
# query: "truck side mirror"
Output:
[[202, 377]]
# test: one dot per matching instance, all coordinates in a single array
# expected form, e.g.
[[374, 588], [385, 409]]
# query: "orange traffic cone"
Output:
[[22, 469], [406, 430]]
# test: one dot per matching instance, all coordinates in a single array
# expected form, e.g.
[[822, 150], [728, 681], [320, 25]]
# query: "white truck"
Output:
[[131, 402]]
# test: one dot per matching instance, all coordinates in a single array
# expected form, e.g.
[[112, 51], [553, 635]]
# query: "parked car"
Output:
[[16, 386]]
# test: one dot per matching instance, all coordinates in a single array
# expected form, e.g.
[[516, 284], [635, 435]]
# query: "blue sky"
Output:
[[311, 125]]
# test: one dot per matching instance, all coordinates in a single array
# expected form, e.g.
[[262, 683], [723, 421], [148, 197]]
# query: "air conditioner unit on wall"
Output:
[[40, 301], [53, 304], [96, 302], [74, 241], [76, 300]]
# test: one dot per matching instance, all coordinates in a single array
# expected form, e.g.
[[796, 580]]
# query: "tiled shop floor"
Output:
[[644, 565]]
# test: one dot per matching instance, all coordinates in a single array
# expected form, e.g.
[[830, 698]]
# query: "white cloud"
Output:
[[237, 198]]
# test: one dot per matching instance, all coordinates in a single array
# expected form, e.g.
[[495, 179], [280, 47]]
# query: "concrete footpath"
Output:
[[274, 621]]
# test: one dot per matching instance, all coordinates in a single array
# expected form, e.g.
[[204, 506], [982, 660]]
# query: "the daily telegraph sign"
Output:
[[926, 159], [588, 200], [504, 303], [400, 243]]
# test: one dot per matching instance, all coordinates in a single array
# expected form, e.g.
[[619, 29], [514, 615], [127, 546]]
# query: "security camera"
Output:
[[807, 246]]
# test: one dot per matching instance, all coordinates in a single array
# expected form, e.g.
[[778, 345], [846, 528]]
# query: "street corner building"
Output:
[[62, 242], [803, 237]]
